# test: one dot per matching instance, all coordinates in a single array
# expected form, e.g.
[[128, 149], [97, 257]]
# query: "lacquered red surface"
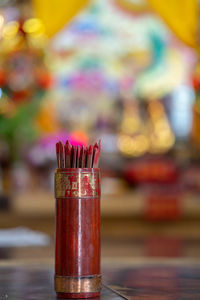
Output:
[[78, 237]]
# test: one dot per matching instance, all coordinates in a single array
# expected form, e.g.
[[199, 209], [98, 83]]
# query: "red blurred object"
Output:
[[77, 266], [2, 78], [162, 204], [196, 82], [21, 96], [44, 80], [153, 170], [159, 246]]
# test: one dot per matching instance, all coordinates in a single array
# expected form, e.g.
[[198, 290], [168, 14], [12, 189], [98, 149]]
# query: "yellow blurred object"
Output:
[[10, 30], [46, 121], [34, 26], [131, 139], [1, 22], [132, 145], [131, 121], [13, 38], [137, 138], [7, 108], [181, 16], [161, 137], [56, 14]]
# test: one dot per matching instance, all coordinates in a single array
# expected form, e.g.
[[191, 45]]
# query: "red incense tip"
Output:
[[67, 148], [90, 149], [69, 156], [67, 144], [61, 146], [57, 147]]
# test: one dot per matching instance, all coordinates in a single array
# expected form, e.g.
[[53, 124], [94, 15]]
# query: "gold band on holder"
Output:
[[82, 284], [77, 184]]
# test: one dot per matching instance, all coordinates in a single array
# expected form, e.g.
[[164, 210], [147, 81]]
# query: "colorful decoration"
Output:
[[24, 80], [183, 18], [22, 70], [165, 71]]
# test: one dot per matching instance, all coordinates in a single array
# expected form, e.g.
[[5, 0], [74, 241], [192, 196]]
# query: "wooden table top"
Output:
[[35, 283], [163, 280], [140, 261]]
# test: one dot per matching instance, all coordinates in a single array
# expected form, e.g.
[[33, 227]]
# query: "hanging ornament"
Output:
[[161, 137], [23, 73], [132, 141]]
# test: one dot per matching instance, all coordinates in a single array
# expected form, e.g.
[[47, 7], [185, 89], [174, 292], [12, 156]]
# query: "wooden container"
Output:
[[77, 255]]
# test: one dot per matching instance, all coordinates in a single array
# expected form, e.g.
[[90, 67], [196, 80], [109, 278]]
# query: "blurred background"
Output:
[[123, 71]]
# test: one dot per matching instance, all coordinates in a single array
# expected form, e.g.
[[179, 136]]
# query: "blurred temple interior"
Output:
[[126, 72]]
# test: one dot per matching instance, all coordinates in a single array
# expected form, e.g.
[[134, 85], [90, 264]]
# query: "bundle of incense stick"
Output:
[[69, 156]]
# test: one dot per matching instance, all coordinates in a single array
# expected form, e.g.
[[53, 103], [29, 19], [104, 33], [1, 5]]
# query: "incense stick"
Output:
[[67, 155], [62, 160], [75, 157], [89, 157], [58, 154]]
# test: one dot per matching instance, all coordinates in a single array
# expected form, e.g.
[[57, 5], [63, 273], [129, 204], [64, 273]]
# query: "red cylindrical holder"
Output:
[[77, 256]]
